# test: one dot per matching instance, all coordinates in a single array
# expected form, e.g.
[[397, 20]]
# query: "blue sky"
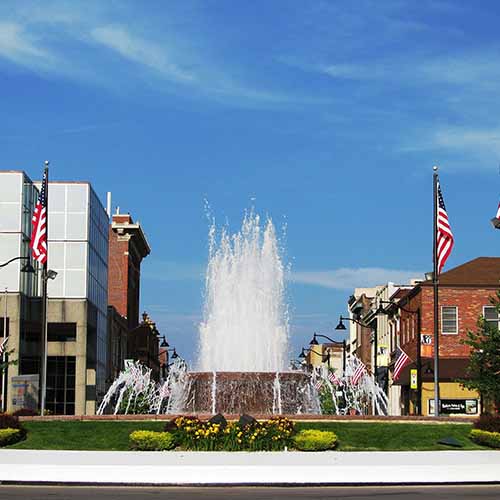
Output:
[[328, 116]]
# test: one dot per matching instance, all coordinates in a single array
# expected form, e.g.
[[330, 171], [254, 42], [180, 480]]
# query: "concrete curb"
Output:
[[243, 468]]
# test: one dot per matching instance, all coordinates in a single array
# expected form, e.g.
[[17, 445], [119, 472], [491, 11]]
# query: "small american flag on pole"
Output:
[[38, 242], [358, 372], [444, 241], [3, 345], [318, 384], [333, 378], [402, 359]]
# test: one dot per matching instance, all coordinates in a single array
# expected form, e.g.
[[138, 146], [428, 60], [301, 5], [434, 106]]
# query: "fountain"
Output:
[[243, 345], [244, 333]]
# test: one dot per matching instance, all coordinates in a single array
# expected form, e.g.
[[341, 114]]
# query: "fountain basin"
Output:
[[263, 393]]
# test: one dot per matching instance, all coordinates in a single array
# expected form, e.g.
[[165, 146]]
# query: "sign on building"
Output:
[[25, 392], [413, 379]]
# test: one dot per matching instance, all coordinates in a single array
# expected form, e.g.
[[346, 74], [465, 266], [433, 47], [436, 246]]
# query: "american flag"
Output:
[[333, 378], [3, 345], [318, 384], [402, 359], [38, 242], [358, 372], [444, 234]]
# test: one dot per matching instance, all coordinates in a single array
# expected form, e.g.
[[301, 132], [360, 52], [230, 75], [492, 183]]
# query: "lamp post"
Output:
[[314, 341], [341, 326], [325, 358], [27, 268]]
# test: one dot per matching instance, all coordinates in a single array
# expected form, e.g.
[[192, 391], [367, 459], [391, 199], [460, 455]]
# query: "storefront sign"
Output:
[[455, 406], [413, 379]]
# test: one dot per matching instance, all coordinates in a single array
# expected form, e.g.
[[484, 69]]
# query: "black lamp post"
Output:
[[27, 268], [325, 358], [314, 341], [164, 342]]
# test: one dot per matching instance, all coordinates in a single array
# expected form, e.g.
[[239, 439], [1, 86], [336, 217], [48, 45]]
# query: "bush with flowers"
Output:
[[193, 434]]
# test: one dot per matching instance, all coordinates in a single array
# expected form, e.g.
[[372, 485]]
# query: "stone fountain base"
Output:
[[263, 393]]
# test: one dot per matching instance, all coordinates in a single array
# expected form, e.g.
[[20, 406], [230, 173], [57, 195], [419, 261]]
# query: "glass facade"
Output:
[[78, 252], [17, 199]]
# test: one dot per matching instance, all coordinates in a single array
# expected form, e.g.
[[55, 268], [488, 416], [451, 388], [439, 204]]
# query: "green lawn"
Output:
[[353, 436], [356, 436]]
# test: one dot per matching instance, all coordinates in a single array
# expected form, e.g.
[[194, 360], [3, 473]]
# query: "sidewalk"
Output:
[[259, 468]]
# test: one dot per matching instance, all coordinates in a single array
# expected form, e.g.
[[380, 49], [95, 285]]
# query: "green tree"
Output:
[[483, 370]]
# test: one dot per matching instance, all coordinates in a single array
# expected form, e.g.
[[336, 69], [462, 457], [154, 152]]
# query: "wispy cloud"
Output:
[[21, 47], [141, 51], [349, 278]]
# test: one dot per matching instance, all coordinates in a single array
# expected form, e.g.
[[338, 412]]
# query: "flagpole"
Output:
[[44, 296], [435, 281], [4, 371]]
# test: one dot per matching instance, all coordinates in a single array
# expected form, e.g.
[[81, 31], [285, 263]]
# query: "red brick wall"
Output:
[[118, 273], [470, 303]]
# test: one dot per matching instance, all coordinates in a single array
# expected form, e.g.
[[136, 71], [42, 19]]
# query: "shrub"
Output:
[[10, 436], [151, 441], [25, 412], [491, 439], [490, 423], [9, 421], [315, 440]]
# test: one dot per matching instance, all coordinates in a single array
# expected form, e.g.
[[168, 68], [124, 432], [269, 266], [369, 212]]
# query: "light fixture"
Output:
[[314, 341], [175, 355], [429, 276], [341, 325], [51, 275], [302, 354], [164, 342], [28, 268]]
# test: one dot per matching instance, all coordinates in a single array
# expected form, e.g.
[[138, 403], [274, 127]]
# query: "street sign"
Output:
[[413, 379]]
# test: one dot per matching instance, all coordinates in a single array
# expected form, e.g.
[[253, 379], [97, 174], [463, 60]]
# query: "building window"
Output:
[[491, 315], [449, 320], [61, 332], [61, 385]]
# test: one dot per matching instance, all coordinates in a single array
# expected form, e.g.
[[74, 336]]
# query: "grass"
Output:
[[353, 436], [381, 436]]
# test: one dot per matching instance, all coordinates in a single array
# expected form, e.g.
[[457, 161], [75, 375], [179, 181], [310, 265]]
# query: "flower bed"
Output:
[[218, 434]]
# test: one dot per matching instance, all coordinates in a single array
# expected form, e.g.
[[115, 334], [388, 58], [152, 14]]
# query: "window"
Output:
[[61, 384], [61, 332], [491, 315], [449, 320]]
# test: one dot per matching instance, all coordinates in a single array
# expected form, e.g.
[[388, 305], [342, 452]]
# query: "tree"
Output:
[[483, 370]]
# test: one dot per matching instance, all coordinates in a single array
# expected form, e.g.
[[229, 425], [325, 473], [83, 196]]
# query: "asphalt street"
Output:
[[485, 492]]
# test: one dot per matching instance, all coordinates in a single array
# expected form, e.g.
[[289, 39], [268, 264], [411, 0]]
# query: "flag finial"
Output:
[[435, 168], [46, 162]]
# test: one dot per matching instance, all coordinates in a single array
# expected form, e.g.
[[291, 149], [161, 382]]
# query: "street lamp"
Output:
[[314, 341], [325, 358], [27, 268], [164, 342]]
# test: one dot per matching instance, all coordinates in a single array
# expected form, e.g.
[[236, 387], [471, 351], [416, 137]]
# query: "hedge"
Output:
[[486, 438], [315, 440], [151, 441], [10, 436]]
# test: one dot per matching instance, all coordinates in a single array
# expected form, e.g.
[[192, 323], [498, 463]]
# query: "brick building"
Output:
[[464, 295], [127, 248], [129, 338]]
